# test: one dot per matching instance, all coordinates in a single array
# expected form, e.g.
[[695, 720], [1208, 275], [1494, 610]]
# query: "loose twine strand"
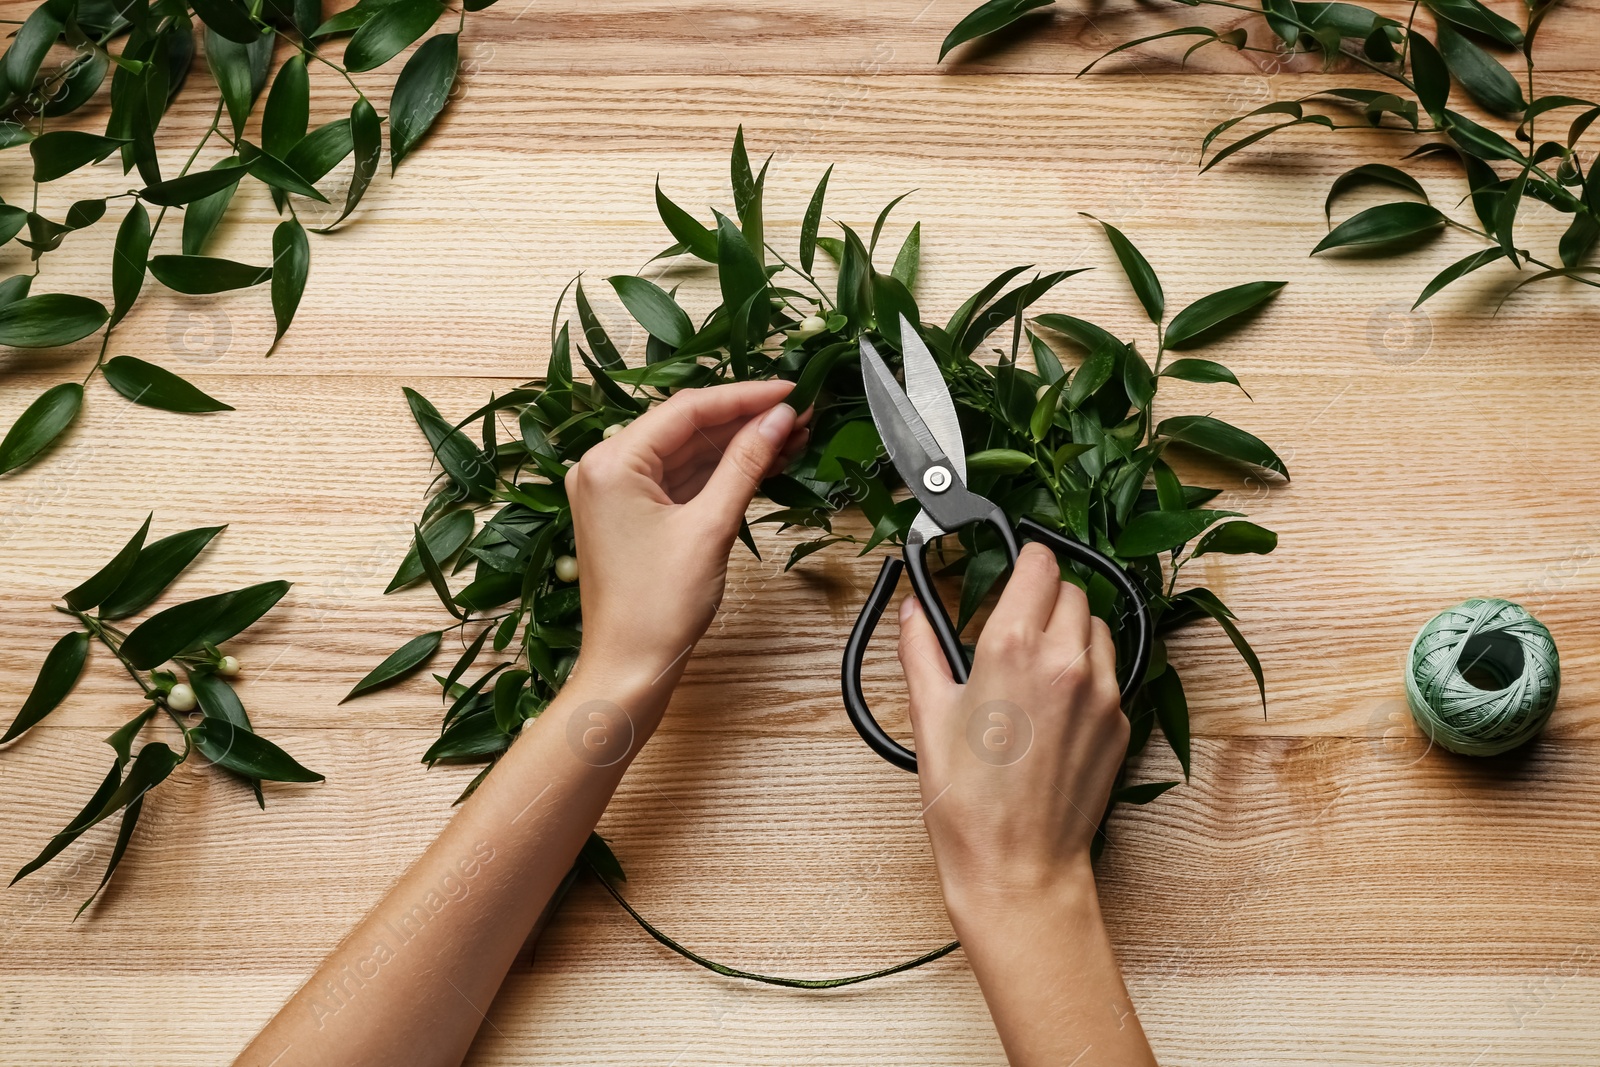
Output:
[[1507, 646], [735, 972]]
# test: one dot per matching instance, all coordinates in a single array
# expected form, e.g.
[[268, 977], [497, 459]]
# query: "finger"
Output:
[[920, 656], [693, 414], [749, 455], [1069, 618], [1030, 594], [1102, 651]]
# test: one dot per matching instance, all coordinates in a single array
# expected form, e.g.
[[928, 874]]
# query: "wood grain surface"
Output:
[[1325, 890]]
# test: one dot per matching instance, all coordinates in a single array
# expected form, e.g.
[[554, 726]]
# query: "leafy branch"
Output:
[[184, 637], [1423, 71], [158, 44]]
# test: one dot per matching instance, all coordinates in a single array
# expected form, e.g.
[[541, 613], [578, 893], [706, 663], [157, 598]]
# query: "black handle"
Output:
[[855, 648]]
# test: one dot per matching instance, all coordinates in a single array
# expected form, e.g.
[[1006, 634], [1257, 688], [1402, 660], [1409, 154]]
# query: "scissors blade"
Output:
[[911, 444], [928, 393]]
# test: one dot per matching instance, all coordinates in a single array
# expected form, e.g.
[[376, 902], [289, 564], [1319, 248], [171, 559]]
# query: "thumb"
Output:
[[927, 673], [749, 456]]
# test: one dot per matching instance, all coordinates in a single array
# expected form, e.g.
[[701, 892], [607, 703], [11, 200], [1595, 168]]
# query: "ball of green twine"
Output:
[[1483, 677]]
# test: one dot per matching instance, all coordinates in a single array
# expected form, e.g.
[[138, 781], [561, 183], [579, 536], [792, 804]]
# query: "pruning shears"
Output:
[[920, 430]]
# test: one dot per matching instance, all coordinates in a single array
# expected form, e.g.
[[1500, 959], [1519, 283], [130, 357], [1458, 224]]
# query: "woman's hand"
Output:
[[1016, 767], [655, 510]]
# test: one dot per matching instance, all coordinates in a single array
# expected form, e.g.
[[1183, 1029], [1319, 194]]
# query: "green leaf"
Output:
[[473, 476], [41, 424], [218, 699], [1237, 538], [1383, 224], [159, 563], [815, 375], [1045, 359], [856, 441], [1477, 140], [1146, 286], [687, 229], [1371, 172], [188, 626], [150, 768], [983, 570], [507, 690], [1479, 73], [1235, 37], [1172, 711], [33, 40], [445, 536], [813, 222], [321, 150], [202, 216], [15, 288], [1092, 374], [1431, 75], [150, 385], [60, 152], [86, 818], [288, 110], [1216, 309], [239, 750], [1221, 439], [992, 16], [654, 308], [594, 332], [49, 320], [366, 138], [421, 93], [1044, 410], [105, 581], [998, 461], [405, 659], [351, 18], [128, 258], [747, 195], [474, 735], [1207, 602], [227, 17], [906, 261], [206, 274], [1143, 793], [430, 567], [1465, 265], [1150, 532], [240, 71], [1009, 307], [1472, 15], [1200, 370], [739, 271], [291, 263], [389, 32], [62, 666]]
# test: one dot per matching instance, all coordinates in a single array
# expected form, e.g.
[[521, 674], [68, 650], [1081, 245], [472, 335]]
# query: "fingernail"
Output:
[[776, 424], [907, 606]]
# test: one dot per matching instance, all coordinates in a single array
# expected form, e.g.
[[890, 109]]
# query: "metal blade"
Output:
[[912, 446], [928, 393]]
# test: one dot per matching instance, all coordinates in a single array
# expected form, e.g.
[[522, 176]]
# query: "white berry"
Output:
[[181, 698], [566, 568], [809, 327], [229, 667], [611, 431]]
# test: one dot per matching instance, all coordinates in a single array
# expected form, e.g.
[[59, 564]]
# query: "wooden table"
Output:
[[1325, 890]]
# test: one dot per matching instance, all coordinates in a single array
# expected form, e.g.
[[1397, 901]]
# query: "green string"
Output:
[[734, 972], [1483, 677]]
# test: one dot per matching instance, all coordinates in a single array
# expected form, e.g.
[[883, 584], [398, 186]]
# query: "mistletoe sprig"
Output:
[[1080, 450], [1424, 72], [156, 46], [184, 637]]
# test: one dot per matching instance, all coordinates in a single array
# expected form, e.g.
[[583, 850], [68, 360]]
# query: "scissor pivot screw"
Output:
[[936, 479]]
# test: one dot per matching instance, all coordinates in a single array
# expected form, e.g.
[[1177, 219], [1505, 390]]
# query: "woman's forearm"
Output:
[[412, 982], [1049, 976]]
